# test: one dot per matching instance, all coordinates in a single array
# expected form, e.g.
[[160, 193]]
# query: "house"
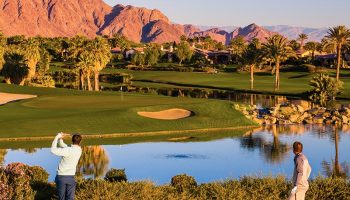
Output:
[[129, 53]]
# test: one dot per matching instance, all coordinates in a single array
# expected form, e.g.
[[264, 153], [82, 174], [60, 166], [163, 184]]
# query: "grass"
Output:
[[292, 83], [106, 113]]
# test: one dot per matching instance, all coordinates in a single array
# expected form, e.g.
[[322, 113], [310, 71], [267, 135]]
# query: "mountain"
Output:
[[68, 18], [224, 28], [252, 31], [291, 32], [315, 34], [249, 32], [52, 18]]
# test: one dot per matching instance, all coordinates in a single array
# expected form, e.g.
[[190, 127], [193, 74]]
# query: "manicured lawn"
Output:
[[105, 112], [293, 83]]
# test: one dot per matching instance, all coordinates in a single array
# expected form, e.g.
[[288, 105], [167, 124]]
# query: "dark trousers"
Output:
[[65, 187]]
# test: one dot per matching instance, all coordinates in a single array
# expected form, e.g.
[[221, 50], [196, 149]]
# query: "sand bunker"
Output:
[[8, 97], [171, 114]]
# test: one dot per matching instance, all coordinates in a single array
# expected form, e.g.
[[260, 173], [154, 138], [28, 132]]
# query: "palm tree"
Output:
[[32, 55], [238, 46], [77, 45], [15, 68], [2, 50], [252, 56], [302, 37], [335, 39], [313, 47], [85, 66], [276, 48], [101, 55]]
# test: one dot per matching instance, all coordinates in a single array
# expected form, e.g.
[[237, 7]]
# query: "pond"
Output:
[[260, 152]]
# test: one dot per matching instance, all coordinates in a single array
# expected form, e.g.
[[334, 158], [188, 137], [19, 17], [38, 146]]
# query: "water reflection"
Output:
[[335, 168], [273, 151], [94, 161], [3, 153], [263, 151]]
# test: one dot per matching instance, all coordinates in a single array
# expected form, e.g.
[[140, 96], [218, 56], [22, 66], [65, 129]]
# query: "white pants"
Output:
[[299, 195]]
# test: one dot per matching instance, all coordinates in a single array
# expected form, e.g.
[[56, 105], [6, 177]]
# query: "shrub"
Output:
[[325, 89], [183, 183], [43, 81], [18, 180], [116, 175], [6, 192]]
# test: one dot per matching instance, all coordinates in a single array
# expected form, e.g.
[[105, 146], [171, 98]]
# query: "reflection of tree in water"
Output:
[[94, 161], [30, 150], [334, 168], [274, 151], [3, 153]]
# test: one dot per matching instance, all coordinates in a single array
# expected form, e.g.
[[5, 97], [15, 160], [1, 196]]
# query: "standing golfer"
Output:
[[301, 173], [70, 155]]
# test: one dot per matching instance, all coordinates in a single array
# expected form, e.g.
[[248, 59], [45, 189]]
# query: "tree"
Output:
[[85, 66], [252, 56], [335, 39], [276, 48], [313, 47], [100, 57], [152, 55], [2, 50], [325, 89], [77, 45], [138, 59], [119, 41], [15, 68], [32, 56], [302, 37], [183, 51], [238, 45], [294, 45]]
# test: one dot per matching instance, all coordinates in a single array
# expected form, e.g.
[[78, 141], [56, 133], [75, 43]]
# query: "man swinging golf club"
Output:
[[70, 156]]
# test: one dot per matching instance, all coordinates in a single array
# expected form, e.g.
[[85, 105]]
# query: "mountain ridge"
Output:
[[67, 18]]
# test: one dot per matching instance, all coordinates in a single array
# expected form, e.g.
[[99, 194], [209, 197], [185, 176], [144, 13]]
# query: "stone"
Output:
[[345, 119], [300, 109], [294, 118], [306, 105], [287, 111], [318, 120], [258, 121], [308, 121]]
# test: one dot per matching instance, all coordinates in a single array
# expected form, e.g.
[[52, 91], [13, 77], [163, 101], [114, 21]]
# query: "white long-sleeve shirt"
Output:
[[70, 156]]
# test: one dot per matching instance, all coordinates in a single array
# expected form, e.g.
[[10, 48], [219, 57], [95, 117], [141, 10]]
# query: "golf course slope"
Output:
[[170, 114]]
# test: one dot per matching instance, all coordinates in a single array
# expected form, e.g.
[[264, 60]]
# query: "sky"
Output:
[[307, 13]]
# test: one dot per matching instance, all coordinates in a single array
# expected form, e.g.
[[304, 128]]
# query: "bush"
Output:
[[19, 181], [183, 183], [116, 175], [325, 89], [43, 81]]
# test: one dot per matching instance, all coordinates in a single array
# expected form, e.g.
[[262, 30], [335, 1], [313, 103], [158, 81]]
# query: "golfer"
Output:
[[301, 173], [70, 156]]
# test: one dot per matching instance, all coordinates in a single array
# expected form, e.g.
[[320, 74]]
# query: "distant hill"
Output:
[[52, 18], [315, 34]]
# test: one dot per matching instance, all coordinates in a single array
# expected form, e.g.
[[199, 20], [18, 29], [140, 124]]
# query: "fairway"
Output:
[[292, 83], [99, 113]]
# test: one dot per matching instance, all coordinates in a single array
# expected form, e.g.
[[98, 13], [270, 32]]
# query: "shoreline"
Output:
[[135, 134]]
